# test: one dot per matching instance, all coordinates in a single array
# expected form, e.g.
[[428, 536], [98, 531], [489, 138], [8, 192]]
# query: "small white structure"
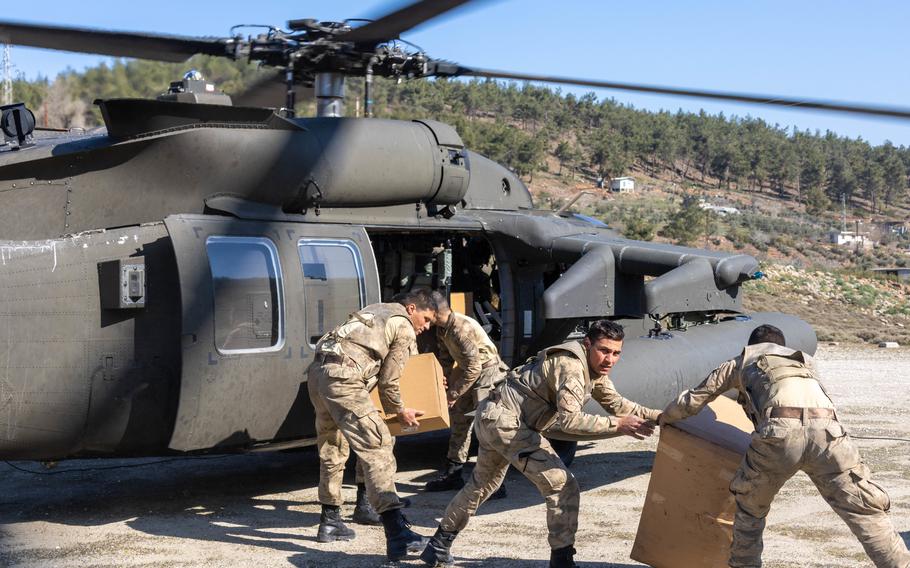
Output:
[[851, 239], [622, 184], [721, 210]]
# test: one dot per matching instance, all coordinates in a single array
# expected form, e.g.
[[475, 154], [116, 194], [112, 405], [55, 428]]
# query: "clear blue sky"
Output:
[[837, 49]]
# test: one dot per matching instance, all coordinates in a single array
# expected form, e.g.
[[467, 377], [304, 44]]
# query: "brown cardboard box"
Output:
[[422, 388], [462, 302], [687, 519]]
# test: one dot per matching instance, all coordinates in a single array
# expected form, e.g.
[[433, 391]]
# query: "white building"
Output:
[[622, 184], [851, 239]]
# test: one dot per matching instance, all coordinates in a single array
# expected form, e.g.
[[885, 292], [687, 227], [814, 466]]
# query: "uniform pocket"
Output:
[[871, 493], [369, 430], [771, 432], [835, 430]]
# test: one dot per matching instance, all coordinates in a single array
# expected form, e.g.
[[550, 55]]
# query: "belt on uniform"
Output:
[[801, 413]]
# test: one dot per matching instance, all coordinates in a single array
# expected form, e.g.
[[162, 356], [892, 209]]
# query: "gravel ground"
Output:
[[261, 509]]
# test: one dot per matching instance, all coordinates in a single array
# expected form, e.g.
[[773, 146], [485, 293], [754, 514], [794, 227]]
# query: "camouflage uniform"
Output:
[[549, 389], [371, 347], [463, 341], [796, 429]]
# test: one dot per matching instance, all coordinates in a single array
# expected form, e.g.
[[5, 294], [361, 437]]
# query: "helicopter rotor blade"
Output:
[[270, 91], [118, 44], [789, 102], [394, 24]]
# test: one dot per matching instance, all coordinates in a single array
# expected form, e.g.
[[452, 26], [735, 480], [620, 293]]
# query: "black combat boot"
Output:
[[399, 538], [437, 553], [448, 479], [563, 558], [499, 493], [330, 526], [364, 513]]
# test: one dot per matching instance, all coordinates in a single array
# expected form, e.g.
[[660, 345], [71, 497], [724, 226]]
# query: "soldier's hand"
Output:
[[409, 416], [635, 427]]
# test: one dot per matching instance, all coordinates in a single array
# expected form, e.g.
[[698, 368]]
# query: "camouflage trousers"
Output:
[[823, 450], [461, 424], [505, 441], [346, 419]]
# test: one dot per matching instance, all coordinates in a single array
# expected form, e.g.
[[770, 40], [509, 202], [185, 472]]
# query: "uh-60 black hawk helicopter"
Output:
[[163, 282]]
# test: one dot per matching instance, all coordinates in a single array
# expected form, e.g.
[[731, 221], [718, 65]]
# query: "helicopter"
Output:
[[164, 281]]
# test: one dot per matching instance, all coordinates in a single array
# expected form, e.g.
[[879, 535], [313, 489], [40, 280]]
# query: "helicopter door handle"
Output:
[[188, 340]]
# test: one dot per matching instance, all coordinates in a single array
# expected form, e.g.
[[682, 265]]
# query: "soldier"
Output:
[[460, 339], [372, 347], [796, 429], [549, 389]]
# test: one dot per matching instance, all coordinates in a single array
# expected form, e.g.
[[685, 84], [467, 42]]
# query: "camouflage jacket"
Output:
[[374, 342], [463, 341], [765, 375], [553, 387]]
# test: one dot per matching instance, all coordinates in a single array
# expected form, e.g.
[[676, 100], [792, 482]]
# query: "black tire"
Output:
[[565, 450]]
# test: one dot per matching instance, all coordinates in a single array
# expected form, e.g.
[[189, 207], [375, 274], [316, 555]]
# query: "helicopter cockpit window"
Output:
[[333, 284], [246, 282]]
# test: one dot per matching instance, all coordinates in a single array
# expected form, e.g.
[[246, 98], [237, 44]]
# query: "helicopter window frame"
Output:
[[279, 307], [352, 247]]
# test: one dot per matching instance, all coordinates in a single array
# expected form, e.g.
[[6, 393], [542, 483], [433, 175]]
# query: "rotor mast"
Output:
[[329, 88]]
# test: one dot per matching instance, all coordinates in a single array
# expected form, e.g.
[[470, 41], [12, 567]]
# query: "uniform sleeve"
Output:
[[442, 353], [608, 397], [402, 344], [468, 356], [690, 402], [570, 397]]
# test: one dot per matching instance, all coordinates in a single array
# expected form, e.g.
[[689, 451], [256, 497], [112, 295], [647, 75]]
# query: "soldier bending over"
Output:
[[375, 343], [460, 339], [796, 429]]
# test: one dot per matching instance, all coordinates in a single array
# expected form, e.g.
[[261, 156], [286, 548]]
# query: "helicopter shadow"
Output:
[[496, 561], [245, 499], [209, 488]]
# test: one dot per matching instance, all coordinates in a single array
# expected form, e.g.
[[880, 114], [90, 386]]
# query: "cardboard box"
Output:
[[462, 302], [687, 519], [422, 388]]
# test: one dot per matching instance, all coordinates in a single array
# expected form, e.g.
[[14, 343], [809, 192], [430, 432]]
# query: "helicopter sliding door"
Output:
[[255, 298]]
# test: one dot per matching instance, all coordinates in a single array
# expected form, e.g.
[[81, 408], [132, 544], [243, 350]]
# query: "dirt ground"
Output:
[[261, 509]]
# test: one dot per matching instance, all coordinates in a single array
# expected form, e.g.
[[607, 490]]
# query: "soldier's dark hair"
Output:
[[420, 297], [767, 334], [605, 328], [440, 300]]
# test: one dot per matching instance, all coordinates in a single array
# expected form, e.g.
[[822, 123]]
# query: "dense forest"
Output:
[[520, 125]]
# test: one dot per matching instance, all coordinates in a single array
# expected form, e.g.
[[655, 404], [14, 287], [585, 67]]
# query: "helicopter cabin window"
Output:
[[246, 284], [333, 284]]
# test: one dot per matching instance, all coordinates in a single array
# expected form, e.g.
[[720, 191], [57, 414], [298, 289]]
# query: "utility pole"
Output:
[[7, 75], [843, 201]]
